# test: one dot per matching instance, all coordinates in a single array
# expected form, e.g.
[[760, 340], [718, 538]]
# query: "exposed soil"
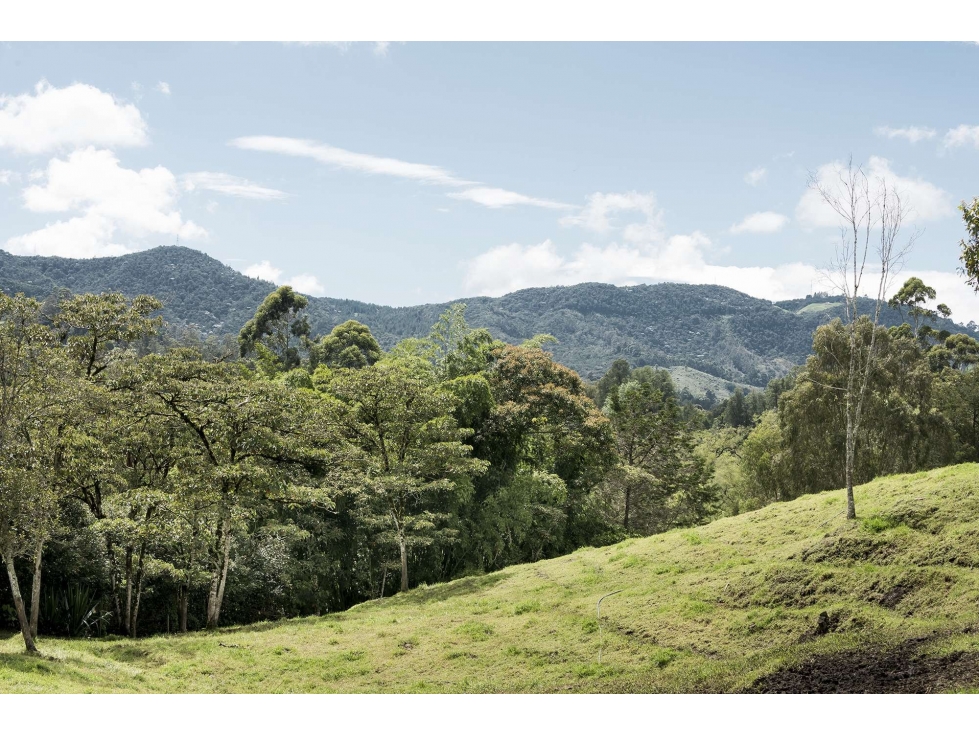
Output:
[[901, 669]]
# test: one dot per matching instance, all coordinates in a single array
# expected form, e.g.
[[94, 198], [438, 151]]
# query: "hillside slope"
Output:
[[791, 597], [714, 330]]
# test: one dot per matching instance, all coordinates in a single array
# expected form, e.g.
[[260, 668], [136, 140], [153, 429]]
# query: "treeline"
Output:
[[921, 410], [151, 484]]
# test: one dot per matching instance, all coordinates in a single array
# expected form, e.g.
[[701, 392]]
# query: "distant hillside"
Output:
[[711, 329]]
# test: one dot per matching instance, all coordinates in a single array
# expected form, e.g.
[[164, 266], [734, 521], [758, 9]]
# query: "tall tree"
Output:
[[279, 327], [350, 344], [29, 394], [871, 214], [413, 449]]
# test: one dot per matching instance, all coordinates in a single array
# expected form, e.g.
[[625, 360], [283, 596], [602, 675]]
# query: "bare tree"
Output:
[[871, 214]]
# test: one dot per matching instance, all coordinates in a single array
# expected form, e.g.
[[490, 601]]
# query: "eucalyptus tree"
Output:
[[280, 328]]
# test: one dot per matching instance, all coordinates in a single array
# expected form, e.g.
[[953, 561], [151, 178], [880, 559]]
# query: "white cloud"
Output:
[[598, 215], [760, 223], [163, 88], [924, 200], [755, 176], [680, 258], [381, 48], [348, 160], [7, 177], [264, 271], [912, 133], [211, 206], [304, 282], [224, 183], [962, 135], [499, 198], [73, 116], [111, 202]]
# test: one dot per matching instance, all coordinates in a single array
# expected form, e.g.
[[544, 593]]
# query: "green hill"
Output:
[[789, 598], [713, 330]]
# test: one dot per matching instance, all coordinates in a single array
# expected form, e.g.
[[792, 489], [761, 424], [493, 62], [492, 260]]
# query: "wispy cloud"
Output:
[[348, 160], [69, 117], [224, 183], [600, 215], [760, 223], [912, 133], [499, 198], [962, 135], [7, 177], [163, 88], [755, 176]]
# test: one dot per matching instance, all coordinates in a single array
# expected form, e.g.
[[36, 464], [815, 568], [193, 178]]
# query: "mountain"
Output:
[[721, 337], [791, 598]]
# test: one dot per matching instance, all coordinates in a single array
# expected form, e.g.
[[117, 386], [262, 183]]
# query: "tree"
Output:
[[970, 245], [280, 326], [350, 344], [413, 449], [29, 394], [871, 215], [253, 441], [913, 296], [661, 482], [617, 373]]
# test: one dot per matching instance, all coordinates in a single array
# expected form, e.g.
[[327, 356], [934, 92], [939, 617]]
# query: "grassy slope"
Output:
[[710, 609]]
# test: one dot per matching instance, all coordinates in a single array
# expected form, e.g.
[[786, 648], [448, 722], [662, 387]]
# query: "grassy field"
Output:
[[729, 606]]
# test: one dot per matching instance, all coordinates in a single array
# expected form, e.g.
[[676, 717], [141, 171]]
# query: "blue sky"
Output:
[[410, 173]]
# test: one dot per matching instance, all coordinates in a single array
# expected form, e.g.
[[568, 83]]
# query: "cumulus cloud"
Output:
[[109, 202], [924, 200], [224, 183], [760, 223], [755, 176], [304, 282], [73, 116], [499, 198], [912, 133], [680, 258], [600, 215], [962, 135], [345, 159], [163, 88], [264, 270]]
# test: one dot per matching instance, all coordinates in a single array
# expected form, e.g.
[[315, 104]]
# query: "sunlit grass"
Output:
[[710, 609]]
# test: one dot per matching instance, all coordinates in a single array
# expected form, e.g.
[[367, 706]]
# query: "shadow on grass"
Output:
[[441, 592]]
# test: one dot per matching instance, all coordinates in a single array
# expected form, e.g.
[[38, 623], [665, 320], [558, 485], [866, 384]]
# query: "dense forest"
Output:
[[715, 330]]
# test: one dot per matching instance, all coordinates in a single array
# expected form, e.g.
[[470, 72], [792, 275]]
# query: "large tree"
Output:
[[413, 451]]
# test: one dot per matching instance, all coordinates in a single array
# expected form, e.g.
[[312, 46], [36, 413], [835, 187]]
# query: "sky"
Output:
[[406, 173]]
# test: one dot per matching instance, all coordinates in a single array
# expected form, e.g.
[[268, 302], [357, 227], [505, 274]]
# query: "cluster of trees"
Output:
[[165, 485]]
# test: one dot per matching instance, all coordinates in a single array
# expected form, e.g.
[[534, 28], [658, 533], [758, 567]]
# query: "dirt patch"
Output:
[[902, 669]]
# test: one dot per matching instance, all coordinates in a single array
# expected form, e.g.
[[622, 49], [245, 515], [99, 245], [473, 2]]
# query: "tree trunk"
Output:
[[184, 594], [127, 622], [36, 588], [851, 510], [219, 578], [628, 496], [25, 626], [402, 542]]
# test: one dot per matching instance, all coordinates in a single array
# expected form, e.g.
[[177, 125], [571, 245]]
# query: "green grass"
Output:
[[710, 609]]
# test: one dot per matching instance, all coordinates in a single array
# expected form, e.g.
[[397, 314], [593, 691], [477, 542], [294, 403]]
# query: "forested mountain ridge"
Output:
[[713, 329]]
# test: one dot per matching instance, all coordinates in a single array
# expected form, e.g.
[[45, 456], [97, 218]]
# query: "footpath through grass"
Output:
[[755, 600]]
